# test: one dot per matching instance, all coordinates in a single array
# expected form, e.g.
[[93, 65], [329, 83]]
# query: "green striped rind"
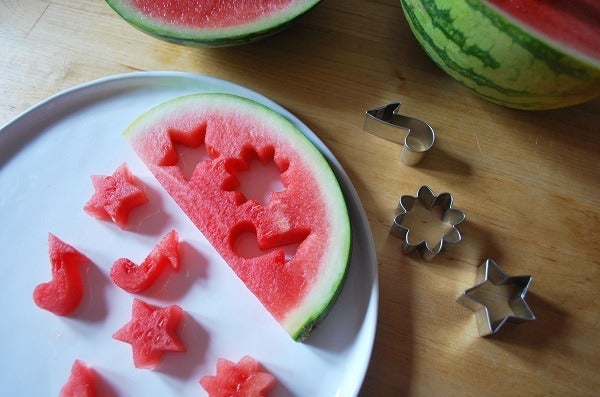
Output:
[[497, 58], [212, 37]]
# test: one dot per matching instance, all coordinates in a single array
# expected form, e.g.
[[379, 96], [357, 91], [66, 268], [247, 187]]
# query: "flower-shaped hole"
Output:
[[256, 176]]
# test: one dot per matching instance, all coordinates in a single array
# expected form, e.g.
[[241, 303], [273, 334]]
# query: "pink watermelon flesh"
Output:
[[309, 214], [133, 278], [572, 23], [203, 13], [244, 379], [115, 196], [151, 332], [63, 293], [80, 383]]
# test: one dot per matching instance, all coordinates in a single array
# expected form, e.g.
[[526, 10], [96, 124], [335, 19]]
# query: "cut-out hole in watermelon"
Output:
[[246, 244], [186, 149], [256, 176], [189, 158]]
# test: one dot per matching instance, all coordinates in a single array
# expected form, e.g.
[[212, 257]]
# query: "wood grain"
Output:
[[529, 182]]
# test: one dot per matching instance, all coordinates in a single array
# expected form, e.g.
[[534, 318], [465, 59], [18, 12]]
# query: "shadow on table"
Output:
[[392, 359], [551, 323]]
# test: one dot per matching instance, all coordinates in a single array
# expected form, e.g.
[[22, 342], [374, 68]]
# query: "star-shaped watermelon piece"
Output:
[[246, 378], [115, 196], [151, 332]]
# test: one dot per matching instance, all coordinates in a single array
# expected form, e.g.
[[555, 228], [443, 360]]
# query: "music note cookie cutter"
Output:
[[416, 135]]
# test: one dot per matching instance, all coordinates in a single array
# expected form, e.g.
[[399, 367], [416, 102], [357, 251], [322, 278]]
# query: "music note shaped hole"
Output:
[[245, 242]]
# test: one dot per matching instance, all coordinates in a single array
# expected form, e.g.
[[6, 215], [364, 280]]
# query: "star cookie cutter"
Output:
[[497, 298], [446, 227], [416, 135]]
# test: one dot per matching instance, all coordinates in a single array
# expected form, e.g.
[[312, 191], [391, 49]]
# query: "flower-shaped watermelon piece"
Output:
[[81, 381], [133, 278], [63, 293], [151, 332], [115, 196], [246, 378]]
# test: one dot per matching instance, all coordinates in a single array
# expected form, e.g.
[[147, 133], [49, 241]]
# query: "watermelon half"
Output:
[[299, 286], [216, 23], [526, 54]]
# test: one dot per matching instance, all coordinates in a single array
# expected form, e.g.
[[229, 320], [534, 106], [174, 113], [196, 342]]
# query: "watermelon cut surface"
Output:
[[526, 54], [63, 293], [151, 332], [211, 23], [133, 278], [115, 196], [309, 214], [81, 382], [246, 378]]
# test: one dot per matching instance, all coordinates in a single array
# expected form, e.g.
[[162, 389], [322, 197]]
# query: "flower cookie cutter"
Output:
[[416, 135], [445, 226], [497, 298]]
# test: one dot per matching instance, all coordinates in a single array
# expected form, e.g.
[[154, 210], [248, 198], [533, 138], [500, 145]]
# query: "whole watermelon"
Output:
[[527, 54]]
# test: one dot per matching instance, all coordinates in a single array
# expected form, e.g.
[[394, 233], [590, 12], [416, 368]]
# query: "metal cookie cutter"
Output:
[[416, 135], [446, 226], [497, 298]]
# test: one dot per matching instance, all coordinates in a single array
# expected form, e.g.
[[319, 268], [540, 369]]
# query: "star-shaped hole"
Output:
[[115, 196], [151, 332], [189, 149], [256, 175]]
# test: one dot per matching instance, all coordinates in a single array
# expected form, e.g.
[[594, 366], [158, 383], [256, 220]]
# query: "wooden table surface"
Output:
[[527, 181]]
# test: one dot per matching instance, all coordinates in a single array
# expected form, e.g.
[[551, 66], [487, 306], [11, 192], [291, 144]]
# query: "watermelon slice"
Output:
[[80, 383], [63, 293], [134, 279], [115, 196], [151, 332], [309, 213], [245, 378], [211, 23]]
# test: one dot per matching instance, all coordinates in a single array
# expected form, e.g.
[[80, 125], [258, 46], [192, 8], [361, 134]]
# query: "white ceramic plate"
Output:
[[46, 158]]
